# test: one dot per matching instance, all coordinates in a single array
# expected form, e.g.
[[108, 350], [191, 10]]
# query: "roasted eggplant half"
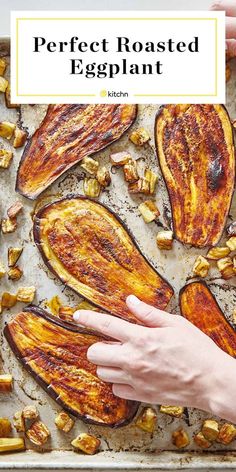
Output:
[[84, 244], [199, 306], [195, 148], [55, 354], [67, 134]]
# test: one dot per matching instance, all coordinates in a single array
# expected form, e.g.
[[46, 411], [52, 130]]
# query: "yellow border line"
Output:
[[174, 95], [57, 95], [110, 19]]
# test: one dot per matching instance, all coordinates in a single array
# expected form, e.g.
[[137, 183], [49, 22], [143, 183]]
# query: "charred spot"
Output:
[[107, 409], [90, 138], [108, 135], [87, 274], [73, 136], [110, 252], [161, 297], [71, 110], [231, 229], [167, 133], [215, 174], [116, 110], [41, 142], [160, 294]]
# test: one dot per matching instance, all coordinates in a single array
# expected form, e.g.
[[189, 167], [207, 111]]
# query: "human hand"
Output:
[[230, 9], [168, 361]]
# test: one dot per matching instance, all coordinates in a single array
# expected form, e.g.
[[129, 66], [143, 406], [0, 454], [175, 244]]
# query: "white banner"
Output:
[[117, 57]]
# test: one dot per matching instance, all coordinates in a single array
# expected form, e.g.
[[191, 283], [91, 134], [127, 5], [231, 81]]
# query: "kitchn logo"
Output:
[[113, 94]]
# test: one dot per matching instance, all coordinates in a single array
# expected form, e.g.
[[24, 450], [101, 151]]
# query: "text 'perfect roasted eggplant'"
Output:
[[199, 306], [67, 134], [91, 251], [55, 354], [195, 148]]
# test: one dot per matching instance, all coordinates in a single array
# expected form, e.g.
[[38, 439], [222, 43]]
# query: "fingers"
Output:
[[231, 48], [113, 375], [124, 391], [230, 28], [229, 6], [150, 316], [106, 324], [103, 354]]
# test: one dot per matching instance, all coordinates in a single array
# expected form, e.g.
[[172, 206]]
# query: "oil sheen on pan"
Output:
[[199, 306], [90, 250], [67, 134], [55, 354], [195, 148]]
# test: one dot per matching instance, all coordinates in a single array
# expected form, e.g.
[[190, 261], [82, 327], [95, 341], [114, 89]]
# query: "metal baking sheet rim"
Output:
[[59, 460], [158, 460]]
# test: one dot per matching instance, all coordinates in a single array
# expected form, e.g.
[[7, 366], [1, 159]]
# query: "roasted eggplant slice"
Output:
[[196, 153], [54, 353], [90, 250], [67, 134], [199, 306]]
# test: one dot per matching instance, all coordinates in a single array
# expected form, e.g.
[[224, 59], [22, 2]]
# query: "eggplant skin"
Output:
[[91, 251], [199, 306], [67, 134], [195, 149], [55, 354]]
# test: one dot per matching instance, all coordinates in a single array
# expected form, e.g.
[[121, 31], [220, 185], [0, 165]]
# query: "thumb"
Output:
[[149, 315]]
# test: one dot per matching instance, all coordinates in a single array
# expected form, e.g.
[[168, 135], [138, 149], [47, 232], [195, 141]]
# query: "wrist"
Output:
[[220, 393]]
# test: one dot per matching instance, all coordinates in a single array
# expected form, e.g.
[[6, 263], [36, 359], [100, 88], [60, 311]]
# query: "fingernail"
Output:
[[76, 315], [133, 300]]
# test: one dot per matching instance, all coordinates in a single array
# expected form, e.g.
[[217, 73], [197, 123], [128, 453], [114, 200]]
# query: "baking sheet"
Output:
[[129, 445]]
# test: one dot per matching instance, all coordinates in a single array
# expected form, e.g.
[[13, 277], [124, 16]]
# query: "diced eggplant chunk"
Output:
[[210, 429], [38, 433], [20, 137], [91, 188], [15, 273], [165, 240], [9, 225], [180, 438], [147, 420], [64, 422], [103, 177], [227, 433], [86, 443], [12, 444], [201, 267], [130, 171], [90, 165], [26, 294], [3, 65], [149, 211], [7, 129], [3, 84], [139, 137], [5, 158], [226, 267], [6, 381], [216, 253], [141, 186], [120, 158], [14, 254]]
